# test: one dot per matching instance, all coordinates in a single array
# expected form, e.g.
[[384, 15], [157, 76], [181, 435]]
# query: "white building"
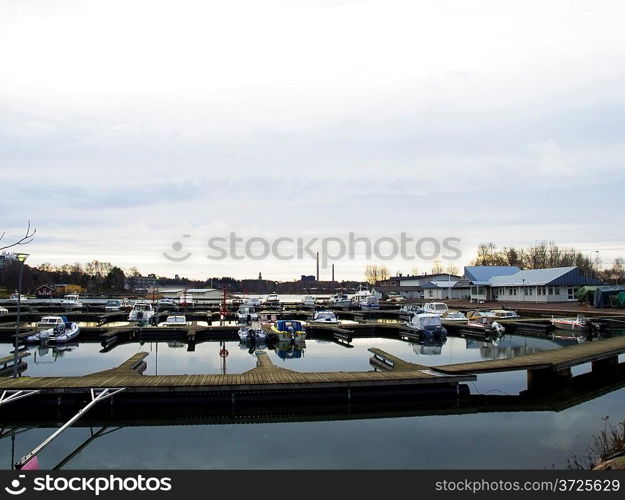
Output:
[[557, 284]]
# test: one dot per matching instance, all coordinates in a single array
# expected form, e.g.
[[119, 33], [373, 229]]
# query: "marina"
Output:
[[306, 381]]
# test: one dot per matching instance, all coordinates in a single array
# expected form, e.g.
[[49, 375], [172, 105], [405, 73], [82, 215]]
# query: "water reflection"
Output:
[[429, 346], [45, 353]]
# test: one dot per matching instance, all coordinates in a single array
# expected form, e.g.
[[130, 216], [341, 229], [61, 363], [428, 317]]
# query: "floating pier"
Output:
[[548, 368], [265, 382]]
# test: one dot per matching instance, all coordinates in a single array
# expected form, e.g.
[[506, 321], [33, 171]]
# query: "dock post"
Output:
[[606, 367], [547, 378]]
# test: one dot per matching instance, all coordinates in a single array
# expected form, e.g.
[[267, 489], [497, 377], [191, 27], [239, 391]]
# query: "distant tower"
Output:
[[317, 266], [332, 273], [260, 276]]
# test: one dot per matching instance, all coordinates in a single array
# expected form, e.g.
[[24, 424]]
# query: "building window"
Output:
[[557, 290], [550, 290]]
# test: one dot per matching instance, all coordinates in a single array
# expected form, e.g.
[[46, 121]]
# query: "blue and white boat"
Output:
[[54, 329], [427, 325]]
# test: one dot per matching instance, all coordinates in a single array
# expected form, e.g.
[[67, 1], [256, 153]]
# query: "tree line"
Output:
[[544, 255]]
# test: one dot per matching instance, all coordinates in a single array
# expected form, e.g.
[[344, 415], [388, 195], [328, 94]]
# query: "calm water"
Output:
[[523, 439]]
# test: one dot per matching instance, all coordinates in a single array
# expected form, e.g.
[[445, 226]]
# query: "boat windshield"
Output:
[[325, 315], [438, 306], [429, 321]]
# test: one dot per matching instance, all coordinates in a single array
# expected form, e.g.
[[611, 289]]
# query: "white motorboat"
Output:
[[3, 310], [14, 297], [247, 314], [54, 329], [252, 334], [167, 302], [272, 299], [435, 308], [364, 299], [505, 313], [454, 316], [141, 311], [175, 320], [410, 309], [576, 326], [185, 300], [253, 302], [368, 303], [325, 317], [340, 300], [308, 301], [427, 324], [71, 301]]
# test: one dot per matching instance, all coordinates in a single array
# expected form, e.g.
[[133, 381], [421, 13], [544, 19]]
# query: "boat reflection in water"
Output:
[[429, 346], [49, 353], [290, 350], [508, 346]]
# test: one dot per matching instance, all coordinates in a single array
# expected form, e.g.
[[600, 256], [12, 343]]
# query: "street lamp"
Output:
[[21, 257]]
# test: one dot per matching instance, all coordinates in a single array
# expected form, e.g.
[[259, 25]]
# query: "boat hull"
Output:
[[66, 336]]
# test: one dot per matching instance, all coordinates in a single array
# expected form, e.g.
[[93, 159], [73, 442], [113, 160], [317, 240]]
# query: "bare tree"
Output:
[[24, 240], [452, 269], [437, 267], [375, 273]]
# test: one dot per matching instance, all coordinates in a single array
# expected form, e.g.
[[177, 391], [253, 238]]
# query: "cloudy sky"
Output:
[[126, 125]]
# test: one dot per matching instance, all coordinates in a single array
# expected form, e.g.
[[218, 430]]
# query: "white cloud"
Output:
[[550, 157], [145, 120]]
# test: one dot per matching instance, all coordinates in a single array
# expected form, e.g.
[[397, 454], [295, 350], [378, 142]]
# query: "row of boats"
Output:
[[486, 320]]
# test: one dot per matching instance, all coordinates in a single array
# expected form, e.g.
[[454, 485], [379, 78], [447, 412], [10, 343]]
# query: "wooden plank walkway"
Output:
[[8, 359], [556, 359], [393, 362], [128, 367], [265, 376]]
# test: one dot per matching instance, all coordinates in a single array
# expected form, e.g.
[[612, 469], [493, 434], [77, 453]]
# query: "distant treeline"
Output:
[[104, 278], [548, 254]]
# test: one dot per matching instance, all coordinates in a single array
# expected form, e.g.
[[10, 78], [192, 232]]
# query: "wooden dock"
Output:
[[266, 381], [547, 367], [6, 363]]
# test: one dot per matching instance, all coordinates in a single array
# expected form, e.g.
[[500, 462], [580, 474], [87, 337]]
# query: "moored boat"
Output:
[[252, 334], [427, 325], [54, 329], [247, 314], [141, 311], [71, 301], [289, 330], [439, 308], [486, 322], [454, 317], [340, 299], [272, 300], [308, 301], [175, 320], [505, 313], [578, 325], [325, 317]]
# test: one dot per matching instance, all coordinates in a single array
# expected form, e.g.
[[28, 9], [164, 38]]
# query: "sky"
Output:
[[131, 132]]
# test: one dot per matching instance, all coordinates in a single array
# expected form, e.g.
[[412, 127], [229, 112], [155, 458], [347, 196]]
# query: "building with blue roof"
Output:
[[511, 284]]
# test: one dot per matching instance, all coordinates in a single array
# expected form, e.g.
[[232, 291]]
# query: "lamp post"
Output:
[[21, 257], [524, 289]]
